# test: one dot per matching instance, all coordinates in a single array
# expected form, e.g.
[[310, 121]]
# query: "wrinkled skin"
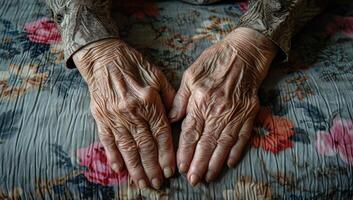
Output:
[[128, 100], [218, 96]]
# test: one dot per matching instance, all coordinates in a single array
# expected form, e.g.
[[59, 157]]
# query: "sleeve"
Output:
[[82, 22], [280, 20]]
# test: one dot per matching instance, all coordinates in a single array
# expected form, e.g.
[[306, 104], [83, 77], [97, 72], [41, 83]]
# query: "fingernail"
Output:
[[156, 183], [194, 179], [183, 168], [209, 177], [172, 114], [142, 184], [230, 163], [168, 172], [116, 167]]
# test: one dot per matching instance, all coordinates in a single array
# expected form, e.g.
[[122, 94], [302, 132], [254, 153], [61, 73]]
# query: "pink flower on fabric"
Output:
[[43, 31], [244, 6], [99, 170], [339, 140], [341, 25]]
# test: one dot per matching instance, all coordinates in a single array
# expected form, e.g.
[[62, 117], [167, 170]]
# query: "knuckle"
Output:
[[140, 131], [221, 94], [103, 129], [120, 129], [191, 131], [157, 119], [165, 144], [190, 137], [222, 106], [127, 106], [106, 140], [126, 144], [188, 74], [163, 139], [202, 92], [244, 136], [149, 94], [188, 124], [133, 161], [225, 140], [146, 144], [109, 145], [208, 141], [130, 152], [161, 131], [213, 125]]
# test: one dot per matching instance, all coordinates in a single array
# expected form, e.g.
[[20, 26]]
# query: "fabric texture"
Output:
[[49, 148]]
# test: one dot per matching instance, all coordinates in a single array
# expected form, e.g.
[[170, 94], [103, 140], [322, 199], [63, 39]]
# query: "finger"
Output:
[[190, 133], [180, 102], [204, 149], [241, 143], [106, 136], [129, 151], [147, 148], [220, 154], [167, 91], [158, 80], [111, 150], [162, 133], [148, 153]]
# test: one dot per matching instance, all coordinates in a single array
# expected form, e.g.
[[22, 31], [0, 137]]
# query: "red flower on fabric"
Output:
[[99, 171], [272, 133], [341, 25], [43, 31]]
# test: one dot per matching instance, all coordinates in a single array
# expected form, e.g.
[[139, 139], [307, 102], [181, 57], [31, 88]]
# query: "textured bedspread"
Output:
[[303, 140]]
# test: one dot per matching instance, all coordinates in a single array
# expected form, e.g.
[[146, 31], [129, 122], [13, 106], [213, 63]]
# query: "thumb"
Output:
[[167, 92], [165, 89], [180, 103]]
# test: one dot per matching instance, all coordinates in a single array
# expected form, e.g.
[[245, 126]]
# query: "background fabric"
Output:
[[303, 138]]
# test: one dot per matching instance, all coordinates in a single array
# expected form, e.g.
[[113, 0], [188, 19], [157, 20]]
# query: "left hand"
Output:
[[218, 95]]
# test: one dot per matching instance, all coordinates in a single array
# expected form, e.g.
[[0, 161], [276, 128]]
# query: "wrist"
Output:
[[253, 48], [253, 37], [93, 56]]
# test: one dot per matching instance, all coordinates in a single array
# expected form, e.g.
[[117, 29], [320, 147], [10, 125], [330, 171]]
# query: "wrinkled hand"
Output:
[[218, 95], [128, 100]]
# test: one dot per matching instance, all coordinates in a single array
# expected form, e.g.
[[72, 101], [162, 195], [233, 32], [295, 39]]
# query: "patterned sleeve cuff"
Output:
[[280, 20], [281, 37], [82, 23], [283, 45]]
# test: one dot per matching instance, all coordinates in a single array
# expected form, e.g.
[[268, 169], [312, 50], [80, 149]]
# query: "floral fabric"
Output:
[[303, 137]]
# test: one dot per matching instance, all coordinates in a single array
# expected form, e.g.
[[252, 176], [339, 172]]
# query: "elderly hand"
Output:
[[128, 100], [218, 95]]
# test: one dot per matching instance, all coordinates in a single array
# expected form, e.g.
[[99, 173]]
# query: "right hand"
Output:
[[129, 98]]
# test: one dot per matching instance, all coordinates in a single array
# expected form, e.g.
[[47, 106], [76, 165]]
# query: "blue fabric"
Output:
[[303, 139]]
